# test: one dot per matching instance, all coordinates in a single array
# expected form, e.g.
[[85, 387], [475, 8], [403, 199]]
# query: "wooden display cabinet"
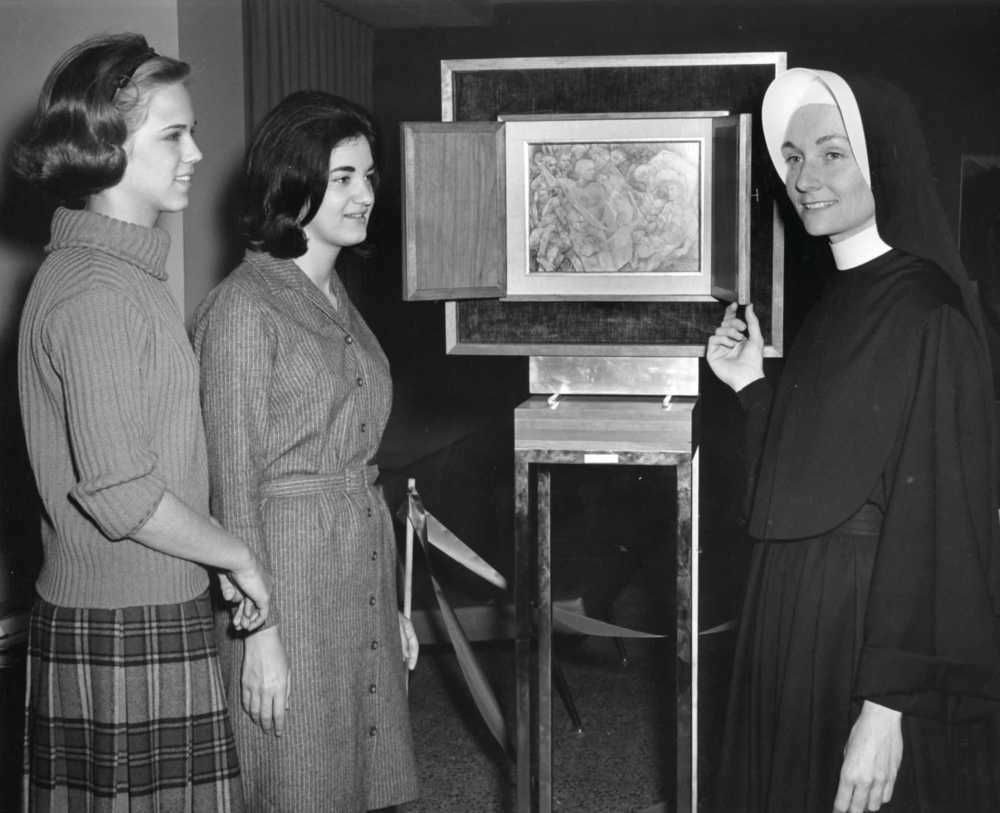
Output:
[[597, 355]]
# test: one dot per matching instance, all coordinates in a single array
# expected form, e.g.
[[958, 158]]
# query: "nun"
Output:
[[865, 671]]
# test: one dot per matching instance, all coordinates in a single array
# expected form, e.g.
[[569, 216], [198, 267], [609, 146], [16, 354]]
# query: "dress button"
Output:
[[361, 381], [364, 427], [372, 689], [374, 644], [369, 512], [372, 731], [371, 600], [374, 555], [349, 339]]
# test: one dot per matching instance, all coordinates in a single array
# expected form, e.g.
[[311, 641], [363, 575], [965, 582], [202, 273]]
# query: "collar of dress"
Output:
[[859, 249]]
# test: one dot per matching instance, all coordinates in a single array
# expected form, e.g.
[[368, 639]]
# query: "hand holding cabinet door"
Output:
[[736, 350]]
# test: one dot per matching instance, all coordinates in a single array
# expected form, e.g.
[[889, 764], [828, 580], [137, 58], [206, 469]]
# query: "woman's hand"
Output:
[[871, 760], [247, 615], [266, 680], [408, 639], [241, 608], [177, 529], [736, 359], [251, 587]]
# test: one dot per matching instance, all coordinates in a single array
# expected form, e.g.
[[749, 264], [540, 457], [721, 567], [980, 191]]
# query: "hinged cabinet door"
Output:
[[731, 209], [454, 216]]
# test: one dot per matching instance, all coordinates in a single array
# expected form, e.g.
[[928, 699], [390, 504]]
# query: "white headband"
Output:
[[800, 86]]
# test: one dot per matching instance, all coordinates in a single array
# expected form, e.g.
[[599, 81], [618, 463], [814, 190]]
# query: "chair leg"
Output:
[[619, 643], [622, 651], [562, 686]]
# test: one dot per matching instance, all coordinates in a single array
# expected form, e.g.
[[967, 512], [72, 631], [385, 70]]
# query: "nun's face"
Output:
[[822, 178]]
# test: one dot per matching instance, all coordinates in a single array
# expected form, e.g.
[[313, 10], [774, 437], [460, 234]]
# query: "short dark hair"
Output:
[[288, 166], [94, 97]]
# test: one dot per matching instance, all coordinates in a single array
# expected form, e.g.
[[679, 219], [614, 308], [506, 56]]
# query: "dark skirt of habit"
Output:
[[126, 712], [790, 706]]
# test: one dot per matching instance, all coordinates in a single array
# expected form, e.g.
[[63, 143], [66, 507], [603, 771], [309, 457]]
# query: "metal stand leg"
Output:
[[686, 644], [544, 528], [523, 591]]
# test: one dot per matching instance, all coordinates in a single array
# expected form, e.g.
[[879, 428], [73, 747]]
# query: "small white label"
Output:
[[600, 458]]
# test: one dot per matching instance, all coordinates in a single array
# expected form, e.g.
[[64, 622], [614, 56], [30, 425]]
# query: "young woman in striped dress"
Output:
[[296, 392], [125, 702]]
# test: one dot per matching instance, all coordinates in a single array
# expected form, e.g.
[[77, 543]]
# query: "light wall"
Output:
[[33, 34], [211, 40]]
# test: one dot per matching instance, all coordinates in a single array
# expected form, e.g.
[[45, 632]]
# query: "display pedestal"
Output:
[[596, 430]]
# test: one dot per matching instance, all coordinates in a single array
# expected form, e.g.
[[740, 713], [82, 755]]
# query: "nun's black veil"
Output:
[[910, 218], [908, 210]]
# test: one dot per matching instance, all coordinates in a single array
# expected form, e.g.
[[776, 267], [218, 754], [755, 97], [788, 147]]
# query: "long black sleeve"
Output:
[[755, 400]]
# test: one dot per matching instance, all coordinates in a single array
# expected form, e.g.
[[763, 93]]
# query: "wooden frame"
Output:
[[609, 208], [449, 67], [481, 90]]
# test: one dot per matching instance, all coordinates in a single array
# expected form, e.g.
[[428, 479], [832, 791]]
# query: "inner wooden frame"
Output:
[[484, 90], [527, 136]]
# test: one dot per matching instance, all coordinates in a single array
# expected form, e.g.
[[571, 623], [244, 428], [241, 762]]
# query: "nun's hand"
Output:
[[871, 760], [737, 358]]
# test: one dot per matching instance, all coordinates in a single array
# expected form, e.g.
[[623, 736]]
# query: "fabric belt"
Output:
[[351, 481]]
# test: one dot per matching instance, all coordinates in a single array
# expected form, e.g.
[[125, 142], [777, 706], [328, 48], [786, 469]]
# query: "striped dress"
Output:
[[296, 393], [125, 702]]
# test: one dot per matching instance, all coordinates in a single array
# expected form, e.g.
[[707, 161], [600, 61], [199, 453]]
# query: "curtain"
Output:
[[303, 45]]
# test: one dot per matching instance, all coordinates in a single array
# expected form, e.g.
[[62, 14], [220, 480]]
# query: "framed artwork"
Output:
[[609, 208], [490, 314]]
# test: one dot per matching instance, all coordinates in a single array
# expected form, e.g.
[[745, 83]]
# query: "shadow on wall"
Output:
[[205, 266], [24, 230]]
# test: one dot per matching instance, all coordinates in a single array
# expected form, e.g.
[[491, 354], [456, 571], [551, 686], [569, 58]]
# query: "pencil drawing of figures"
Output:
[[631, 207]]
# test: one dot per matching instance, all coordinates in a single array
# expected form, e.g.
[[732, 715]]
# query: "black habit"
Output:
[[874, 521]]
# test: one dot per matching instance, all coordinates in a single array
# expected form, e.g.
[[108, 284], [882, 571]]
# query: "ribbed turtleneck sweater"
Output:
[[108, 388]]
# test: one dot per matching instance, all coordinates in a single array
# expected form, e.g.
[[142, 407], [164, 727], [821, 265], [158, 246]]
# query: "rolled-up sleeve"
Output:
[[95, 344]]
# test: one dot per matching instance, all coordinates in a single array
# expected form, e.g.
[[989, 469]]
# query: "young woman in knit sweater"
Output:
[[125, 703]]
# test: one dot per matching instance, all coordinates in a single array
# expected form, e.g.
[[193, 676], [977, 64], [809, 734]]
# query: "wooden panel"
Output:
[[725, 208], [743, 194], [731, 209], [609, 424], [453, 210]]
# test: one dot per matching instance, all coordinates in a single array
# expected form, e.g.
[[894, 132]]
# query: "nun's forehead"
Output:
[[800, 86]]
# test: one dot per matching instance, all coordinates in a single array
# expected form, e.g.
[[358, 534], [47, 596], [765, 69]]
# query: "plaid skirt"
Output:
[[126, 711]]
